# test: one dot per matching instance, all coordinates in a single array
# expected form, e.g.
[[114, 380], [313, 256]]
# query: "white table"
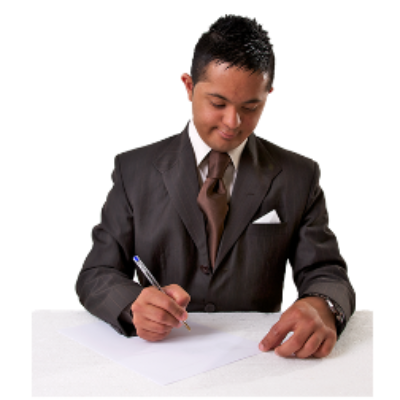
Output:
[[62, 367]]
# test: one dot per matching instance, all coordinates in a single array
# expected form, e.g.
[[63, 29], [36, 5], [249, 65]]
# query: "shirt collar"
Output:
[[201, 149]]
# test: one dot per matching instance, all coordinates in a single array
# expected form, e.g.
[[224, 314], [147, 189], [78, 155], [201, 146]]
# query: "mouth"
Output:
[[226, 135]]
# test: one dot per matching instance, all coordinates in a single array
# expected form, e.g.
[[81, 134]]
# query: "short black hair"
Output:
[[238, 41]]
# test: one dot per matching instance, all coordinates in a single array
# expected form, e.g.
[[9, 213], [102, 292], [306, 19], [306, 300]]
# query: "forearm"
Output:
[[318, 266], [105, 293]]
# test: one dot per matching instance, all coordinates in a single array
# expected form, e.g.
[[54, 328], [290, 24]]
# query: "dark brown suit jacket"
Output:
[[152, 211]]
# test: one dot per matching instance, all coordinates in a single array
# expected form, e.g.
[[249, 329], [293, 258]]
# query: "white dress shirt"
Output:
[[201, 151]]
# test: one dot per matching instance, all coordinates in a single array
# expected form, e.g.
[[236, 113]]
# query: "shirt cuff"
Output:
[[126, 321]]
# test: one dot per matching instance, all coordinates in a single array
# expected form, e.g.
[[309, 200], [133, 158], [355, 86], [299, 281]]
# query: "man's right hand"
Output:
[[156, 313]]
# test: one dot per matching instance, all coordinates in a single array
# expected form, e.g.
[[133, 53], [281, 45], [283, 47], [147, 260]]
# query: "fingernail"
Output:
[[261, 346]]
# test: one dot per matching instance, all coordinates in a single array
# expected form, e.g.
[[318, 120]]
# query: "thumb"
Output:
[[180, 296]]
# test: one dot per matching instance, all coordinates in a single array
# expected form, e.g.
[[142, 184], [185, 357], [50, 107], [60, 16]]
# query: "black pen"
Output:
[[152, 280]]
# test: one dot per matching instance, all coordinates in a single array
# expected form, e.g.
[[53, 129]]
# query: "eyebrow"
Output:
[[225, 99]]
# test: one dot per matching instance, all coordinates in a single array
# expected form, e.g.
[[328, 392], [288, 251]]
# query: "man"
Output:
[[193, 205]]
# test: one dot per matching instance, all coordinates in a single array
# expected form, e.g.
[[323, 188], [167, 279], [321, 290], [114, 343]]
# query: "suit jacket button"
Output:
[[205, 269], [210, 307]]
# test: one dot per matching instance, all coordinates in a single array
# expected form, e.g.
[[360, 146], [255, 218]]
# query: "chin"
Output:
[[225, 149], [218, 143]]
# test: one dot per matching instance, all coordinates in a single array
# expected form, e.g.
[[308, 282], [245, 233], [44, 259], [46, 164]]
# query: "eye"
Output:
[[223, 105], [250, 109]]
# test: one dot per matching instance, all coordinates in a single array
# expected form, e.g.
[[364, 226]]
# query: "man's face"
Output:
[[227, 104]]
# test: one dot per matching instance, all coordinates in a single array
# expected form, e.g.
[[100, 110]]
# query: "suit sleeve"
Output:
[[105, 285], [318, 267]]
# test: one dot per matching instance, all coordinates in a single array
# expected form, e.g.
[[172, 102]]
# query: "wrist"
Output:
[[323, 310]]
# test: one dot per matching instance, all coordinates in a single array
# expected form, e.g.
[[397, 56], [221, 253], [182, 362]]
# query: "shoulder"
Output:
[[143, 158], [287, 159]]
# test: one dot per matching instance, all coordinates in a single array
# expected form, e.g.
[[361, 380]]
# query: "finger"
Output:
[[150, 323], [326, 347], [169, 304], [311, 345], [144, 310], [276, 334], [155, 327], [151, 336], [178, 294], [166, 303], [162, 317], [293, 344]]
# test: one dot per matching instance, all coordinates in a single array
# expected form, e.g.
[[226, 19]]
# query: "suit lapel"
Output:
[[178, 167], [256, 172]]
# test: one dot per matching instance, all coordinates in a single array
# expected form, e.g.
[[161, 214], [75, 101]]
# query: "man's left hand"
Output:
[[313, 327]]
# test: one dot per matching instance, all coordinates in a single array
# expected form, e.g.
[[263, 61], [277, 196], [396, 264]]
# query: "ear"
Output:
[[188, 82]]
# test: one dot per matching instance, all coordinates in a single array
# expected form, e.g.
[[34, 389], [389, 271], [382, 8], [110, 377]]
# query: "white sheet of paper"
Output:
[[181, 355]]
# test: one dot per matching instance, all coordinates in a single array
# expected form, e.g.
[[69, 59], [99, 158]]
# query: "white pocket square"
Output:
[[270, 218]]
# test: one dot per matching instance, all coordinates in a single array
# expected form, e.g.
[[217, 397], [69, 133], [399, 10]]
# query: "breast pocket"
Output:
[[268, 241], [270, 230]]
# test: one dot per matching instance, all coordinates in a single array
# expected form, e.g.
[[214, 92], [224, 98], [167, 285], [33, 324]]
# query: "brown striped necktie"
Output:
[[213, 200]]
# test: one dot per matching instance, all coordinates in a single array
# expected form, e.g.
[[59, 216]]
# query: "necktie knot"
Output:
[[217, 164]]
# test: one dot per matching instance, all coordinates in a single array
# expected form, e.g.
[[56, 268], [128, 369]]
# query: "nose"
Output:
[[231, 118]]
